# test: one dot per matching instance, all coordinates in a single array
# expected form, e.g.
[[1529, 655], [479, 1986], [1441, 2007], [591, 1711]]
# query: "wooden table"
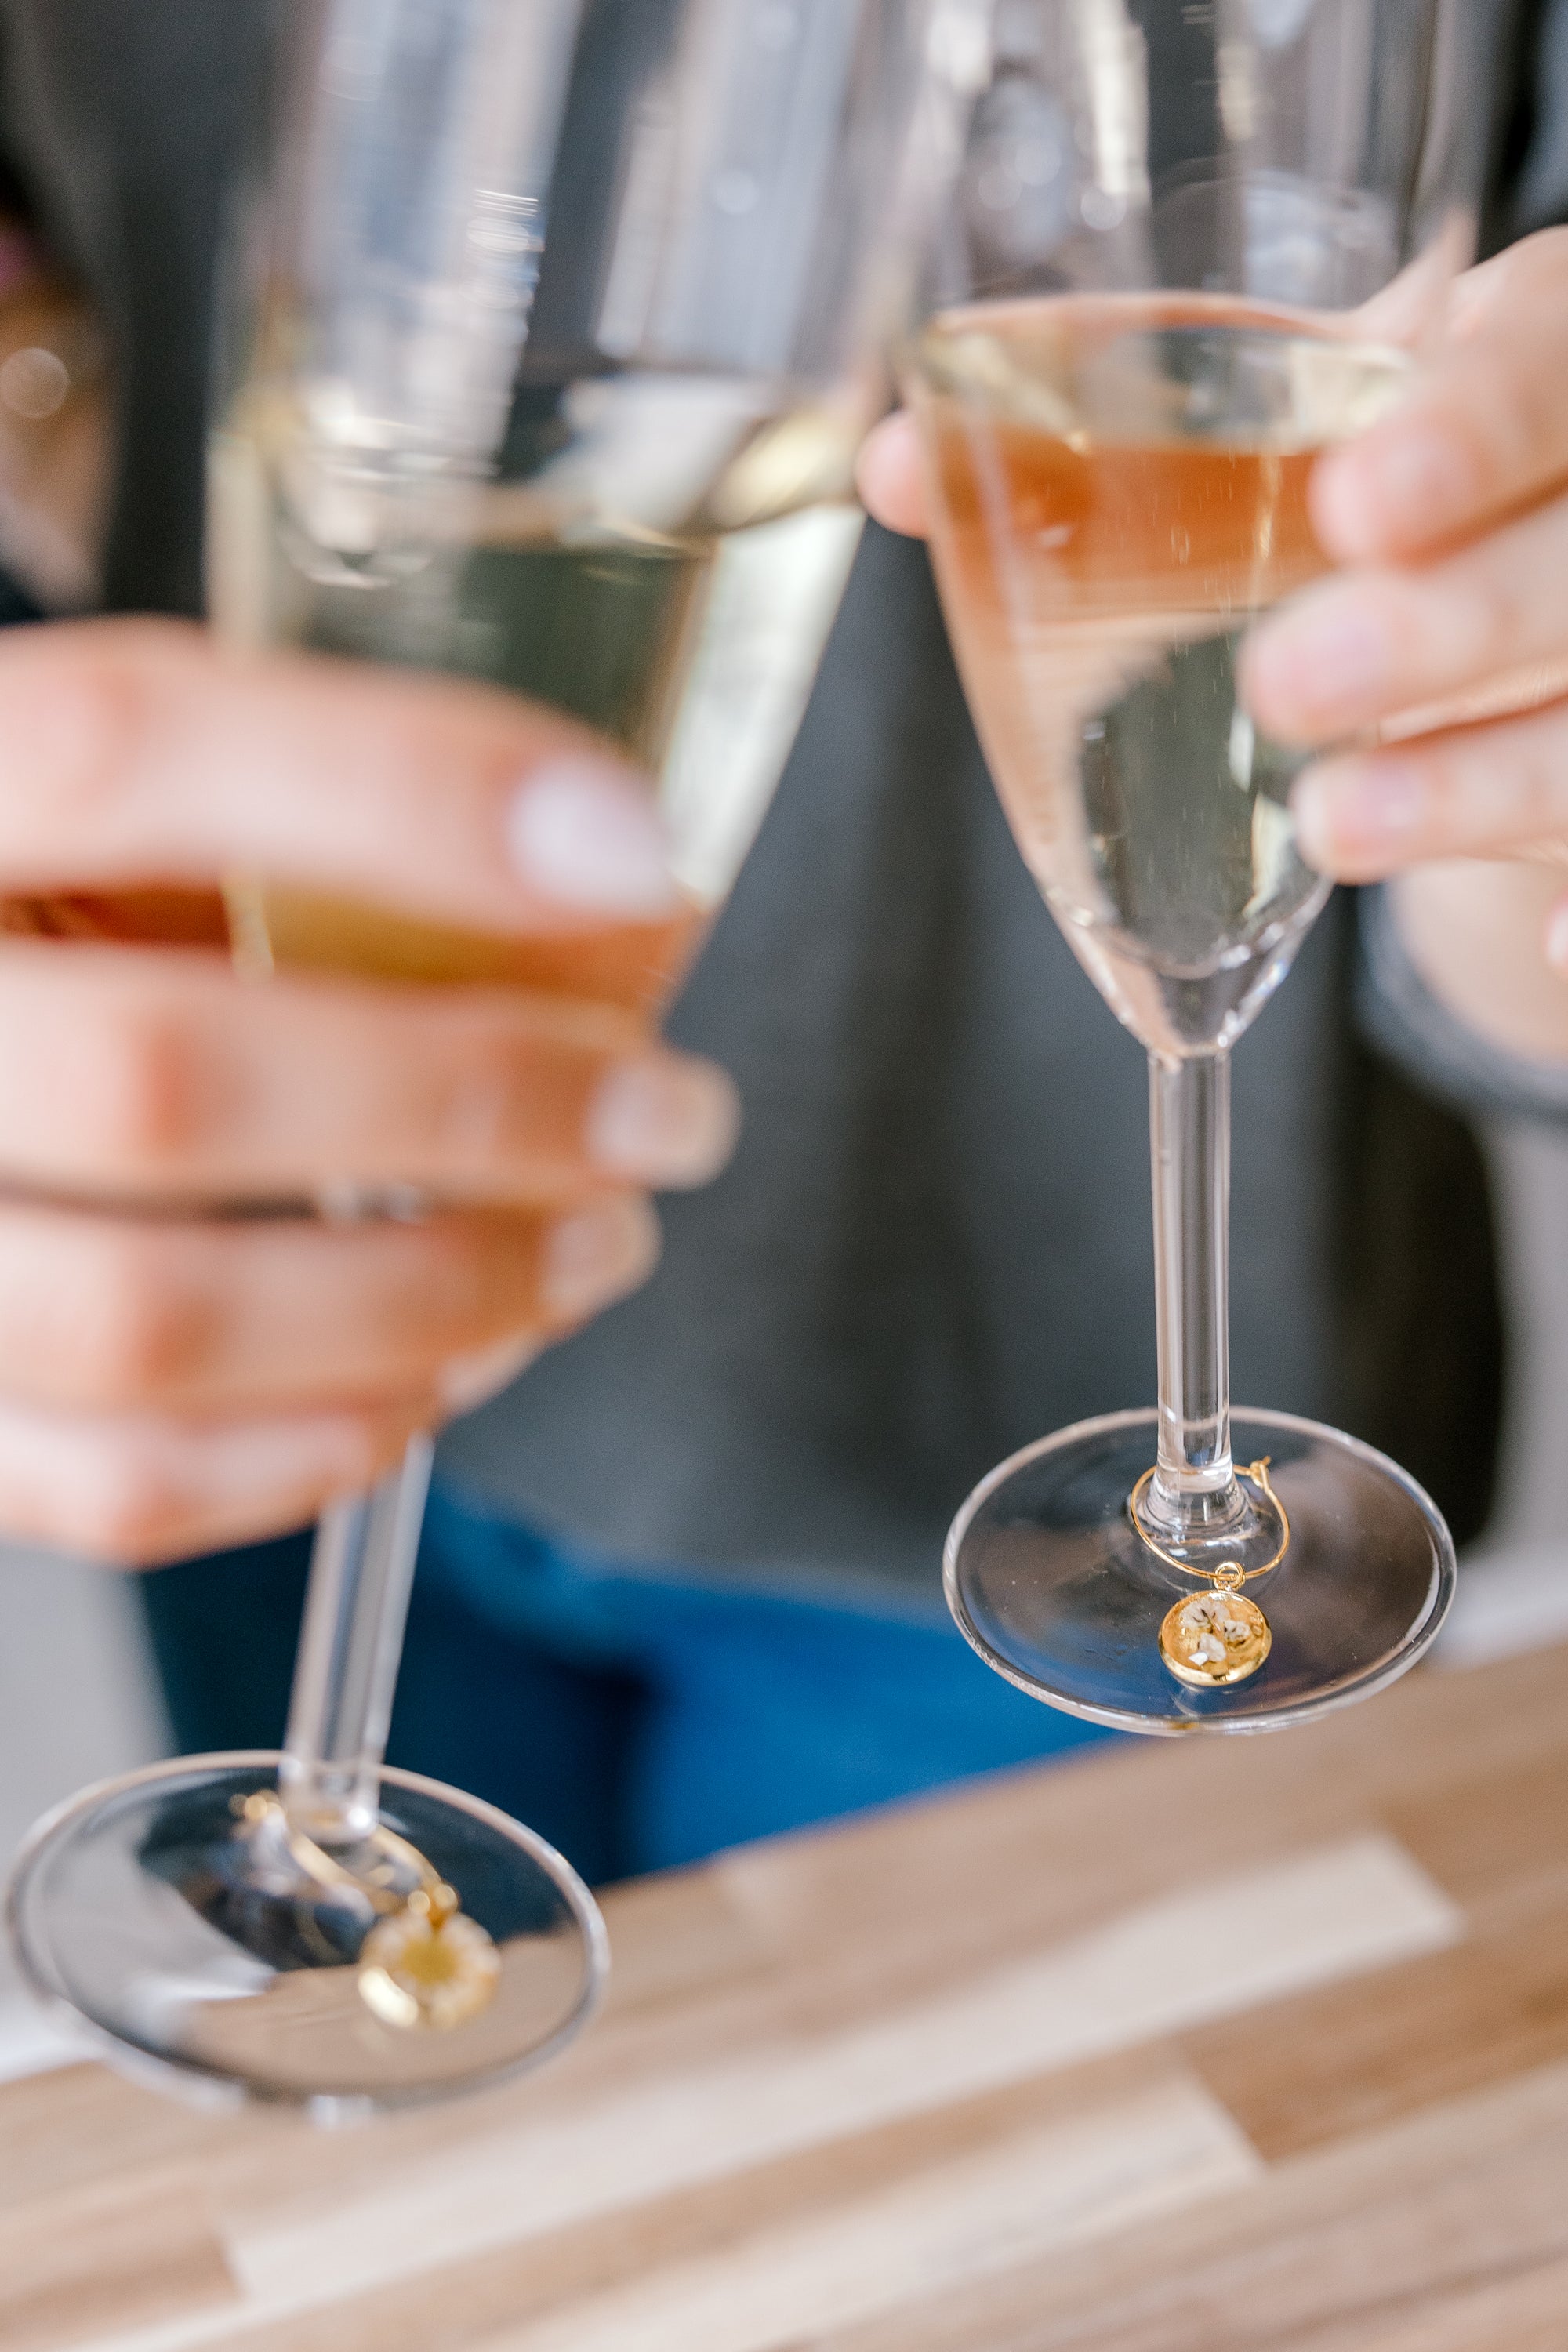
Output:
[[1251, 2047]]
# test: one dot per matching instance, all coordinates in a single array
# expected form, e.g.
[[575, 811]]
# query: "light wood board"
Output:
[[1239, 2047]]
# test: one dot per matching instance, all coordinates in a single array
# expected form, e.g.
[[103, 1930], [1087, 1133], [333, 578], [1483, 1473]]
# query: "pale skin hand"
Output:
[[1450, 521], [169, 1382]]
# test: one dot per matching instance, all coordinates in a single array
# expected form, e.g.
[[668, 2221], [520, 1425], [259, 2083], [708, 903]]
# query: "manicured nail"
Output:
[[1557, 942], [664, 1122], [1316, 669], [889, 477], [473, 1381], [597, 1255], [1410, 484], [587, 834], [1350, 806], [1425, 477]]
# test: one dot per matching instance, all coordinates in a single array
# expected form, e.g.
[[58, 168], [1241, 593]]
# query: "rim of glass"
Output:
[[214, 2086], [1283, 1718]]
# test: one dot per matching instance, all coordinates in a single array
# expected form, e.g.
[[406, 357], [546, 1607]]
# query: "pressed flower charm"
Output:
[[1214, 1638], [428, 1966]]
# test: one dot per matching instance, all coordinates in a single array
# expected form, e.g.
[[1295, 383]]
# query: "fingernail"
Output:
[[587, 834], [1312, 670], [889, 475], [473, 1381], [663, 1121], [1557, 942], [597, 1255], [1359, 804], [1414, 483], [1424, 475]]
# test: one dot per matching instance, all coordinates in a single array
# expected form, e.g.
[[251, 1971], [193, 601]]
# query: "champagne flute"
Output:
[[1194, 248], [559, 330]]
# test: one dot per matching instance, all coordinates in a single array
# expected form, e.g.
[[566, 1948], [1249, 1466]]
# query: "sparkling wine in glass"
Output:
[[1196, 248], [554, 342]]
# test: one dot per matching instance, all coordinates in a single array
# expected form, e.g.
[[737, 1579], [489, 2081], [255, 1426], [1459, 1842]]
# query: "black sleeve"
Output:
[[16, 604], [1531, 180]]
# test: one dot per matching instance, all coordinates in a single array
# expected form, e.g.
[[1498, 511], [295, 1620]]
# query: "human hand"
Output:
[[170, 1380], [1443, 644], [1446, 637]]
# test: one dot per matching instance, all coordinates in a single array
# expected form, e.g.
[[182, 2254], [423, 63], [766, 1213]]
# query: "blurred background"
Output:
[[79, 1700]]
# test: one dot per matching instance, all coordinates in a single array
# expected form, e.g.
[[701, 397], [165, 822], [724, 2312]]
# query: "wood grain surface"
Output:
[[1240, 2047]]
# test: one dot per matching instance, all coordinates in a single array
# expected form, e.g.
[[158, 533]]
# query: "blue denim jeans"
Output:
[[637, 1720]]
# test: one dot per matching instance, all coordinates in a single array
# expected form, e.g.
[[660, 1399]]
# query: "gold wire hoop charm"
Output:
[[425, 1964], [1258, 1474], [1220, 1637]]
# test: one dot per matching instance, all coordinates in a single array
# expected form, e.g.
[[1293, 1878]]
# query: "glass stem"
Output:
[[350, 1646], [1195, 1491]]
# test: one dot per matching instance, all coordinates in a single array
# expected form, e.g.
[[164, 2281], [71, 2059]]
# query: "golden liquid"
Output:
[[669, 575], [1183, 529], [1121, 488]]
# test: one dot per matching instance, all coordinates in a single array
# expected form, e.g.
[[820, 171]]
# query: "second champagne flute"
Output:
[[1195, 247]]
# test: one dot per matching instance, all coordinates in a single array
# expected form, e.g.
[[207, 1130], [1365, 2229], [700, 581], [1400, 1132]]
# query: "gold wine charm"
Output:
[[425, 1965], [1217, 1638], [428, 1965]]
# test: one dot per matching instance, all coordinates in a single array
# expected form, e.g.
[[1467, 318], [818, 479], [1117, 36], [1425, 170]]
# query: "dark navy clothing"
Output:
[[638, 1722]]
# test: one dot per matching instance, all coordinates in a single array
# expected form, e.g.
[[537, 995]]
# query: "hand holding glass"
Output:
[[554, 343]]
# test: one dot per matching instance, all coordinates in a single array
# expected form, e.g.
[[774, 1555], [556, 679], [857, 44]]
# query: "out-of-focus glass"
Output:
[[563, 356], [548, 348]]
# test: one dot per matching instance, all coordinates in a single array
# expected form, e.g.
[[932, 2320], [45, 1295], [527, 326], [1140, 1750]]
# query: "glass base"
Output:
[[1051, 1583], [199, 1957]]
